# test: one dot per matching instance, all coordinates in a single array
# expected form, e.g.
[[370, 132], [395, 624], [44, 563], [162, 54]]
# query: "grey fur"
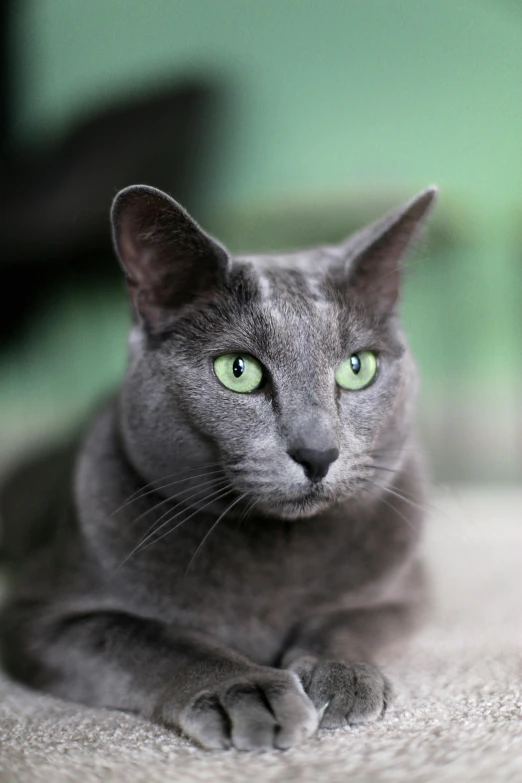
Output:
[[233, 598]]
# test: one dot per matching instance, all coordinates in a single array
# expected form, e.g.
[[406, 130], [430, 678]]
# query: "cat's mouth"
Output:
[[307, 504], [292, 499]]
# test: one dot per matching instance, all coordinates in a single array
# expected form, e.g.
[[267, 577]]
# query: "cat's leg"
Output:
[[333, 656], [179, 678]]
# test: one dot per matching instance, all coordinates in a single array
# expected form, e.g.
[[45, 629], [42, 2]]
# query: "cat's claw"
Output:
[[250, 712], [344, 693], [322, 710]]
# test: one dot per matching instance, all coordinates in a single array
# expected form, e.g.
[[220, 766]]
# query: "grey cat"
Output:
[[242, 543]]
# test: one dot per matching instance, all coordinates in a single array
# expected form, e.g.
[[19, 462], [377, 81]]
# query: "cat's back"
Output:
[[33, 495]]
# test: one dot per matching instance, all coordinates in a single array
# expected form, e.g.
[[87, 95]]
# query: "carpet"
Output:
[[457, 714]]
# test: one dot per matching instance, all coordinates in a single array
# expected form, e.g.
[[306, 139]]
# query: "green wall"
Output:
[[333, 101], [329, 95]]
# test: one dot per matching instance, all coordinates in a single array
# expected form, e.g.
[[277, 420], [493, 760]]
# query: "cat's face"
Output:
[[289, 372]]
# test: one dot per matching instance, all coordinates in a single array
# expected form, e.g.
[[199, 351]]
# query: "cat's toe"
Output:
[[344, 693], [206, 722], [373, 694], [270, 710], [252, 723]]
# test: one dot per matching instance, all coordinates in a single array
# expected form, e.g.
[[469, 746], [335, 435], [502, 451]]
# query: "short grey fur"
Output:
[[215, 571]]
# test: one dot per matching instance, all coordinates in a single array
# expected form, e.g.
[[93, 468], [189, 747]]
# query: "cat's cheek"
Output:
[[241, 417], [364, 413]]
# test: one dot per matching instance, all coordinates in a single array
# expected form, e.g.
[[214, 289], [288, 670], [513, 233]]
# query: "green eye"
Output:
[[357, 371], [238, 372]]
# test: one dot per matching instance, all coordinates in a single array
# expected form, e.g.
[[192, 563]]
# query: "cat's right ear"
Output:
[[168, 260], [373, 257]]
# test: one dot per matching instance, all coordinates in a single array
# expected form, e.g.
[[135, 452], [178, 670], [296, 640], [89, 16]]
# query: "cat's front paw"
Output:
[[257, 711], [343, 693]]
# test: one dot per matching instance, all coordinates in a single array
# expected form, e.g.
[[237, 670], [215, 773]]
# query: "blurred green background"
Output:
[[329, 113]]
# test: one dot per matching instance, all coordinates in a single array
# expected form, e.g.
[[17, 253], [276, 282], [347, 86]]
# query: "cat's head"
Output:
[[289, 372]]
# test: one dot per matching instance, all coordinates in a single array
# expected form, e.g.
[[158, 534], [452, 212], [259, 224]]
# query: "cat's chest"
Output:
[[250, 592]]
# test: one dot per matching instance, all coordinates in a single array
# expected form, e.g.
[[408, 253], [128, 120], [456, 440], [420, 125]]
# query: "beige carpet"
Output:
[[457, 716]]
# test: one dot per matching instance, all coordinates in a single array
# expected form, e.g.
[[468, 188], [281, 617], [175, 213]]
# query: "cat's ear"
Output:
[[168, 260], [373, 257]]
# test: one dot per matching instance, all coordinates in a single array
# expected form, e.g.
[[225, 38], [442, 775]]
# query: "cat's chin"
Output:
[[294, 509]]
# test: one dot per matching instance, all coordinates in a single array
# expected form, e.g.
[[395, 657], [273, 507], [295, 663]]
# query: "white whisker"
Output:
[[179, 494], [211, 499], [154, 529], [218, 520], [138, 493]]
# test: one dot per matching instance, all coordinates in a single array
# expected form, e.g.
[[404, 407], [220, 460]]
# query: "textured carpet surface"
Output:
[[458, 709]]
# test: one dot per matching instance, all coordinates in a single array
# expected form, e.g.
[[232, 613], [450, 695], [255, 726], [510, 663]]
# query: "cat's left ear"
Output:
[[168, 260], [373, 257]]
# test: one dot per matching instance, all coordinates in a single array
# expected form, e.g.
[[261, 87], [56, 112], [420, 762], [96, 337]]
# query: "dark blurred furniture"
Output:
[[55, 202]]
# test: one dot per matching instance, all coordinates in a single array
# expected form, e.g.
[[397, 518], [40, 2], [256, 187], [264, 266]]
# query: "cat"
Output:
[[242, 542]]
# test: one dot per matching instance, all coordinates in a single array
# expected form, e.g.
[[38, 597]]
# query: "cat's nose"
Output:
[[315, 463]]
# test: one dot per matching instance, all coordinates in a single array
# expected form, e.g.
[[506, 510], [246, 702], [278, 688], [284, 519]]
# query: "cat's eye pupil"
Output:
[[238, 368], [355, 363]]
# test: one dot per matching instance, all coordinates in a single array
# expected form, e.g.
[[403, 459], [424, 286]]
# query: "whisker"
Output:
[[179, 494], [422, 506], [155, 527], [246, 512], [135, 495], [390, 505], [392, 451], [401, 496], [168, 532], [387, 456], [180, 481], [153, 530], [381, 467], [213, 527]]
